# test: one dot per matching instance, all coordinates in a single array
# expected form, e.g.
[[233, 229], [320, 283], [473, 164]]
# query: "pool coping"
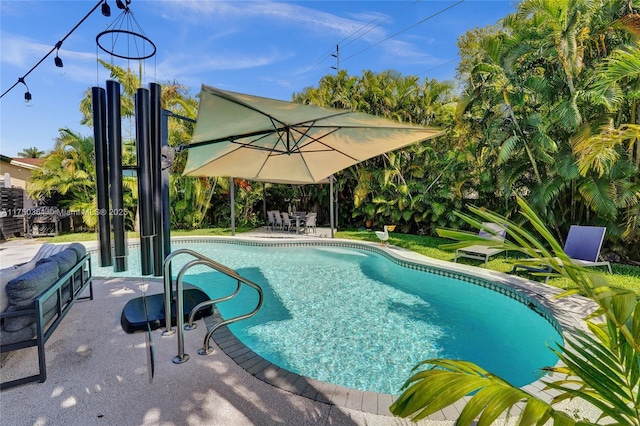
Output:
[[567, 314]]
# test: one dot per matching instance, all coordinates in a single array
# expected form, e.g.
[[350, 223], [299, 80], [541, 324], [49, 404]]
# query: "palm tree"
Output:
[[620, 72], [616, 146], [525, 118], [67, 175], [565, 26], [32, 152]]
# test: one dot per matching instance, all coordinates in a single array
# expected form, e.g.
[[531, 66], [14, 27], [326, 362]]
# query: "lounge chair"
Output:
[[583, 246], [489, 231]]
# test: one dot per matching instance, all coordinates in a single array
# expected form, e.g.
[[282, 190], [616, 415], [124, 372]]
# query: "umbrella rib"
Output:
[[318, 140]]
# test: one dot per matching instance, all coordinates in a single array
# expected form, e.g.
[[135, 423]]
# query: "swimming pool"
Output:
[[353, 317]]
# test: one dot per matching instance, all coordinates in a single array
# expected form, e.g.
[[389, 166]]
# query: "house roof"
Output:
[[28, 163]]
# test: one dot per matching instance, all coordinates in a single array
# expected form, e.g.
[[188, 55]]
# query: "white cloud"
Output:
[[408, 52], [20, 51], [23, 53], [203, 12], [187, 66]]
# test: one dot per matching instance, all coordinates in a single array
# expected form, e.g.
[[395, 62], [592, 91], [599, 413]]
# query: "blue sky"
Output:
[[265, 48]]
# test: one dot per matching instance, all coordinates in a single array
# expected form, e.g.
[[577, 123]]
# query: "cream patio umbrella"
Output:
[[269, 140]]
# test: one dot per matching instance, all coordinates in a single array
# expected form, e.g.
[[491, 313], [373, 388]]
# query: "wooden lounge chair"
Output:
[[490, 231]]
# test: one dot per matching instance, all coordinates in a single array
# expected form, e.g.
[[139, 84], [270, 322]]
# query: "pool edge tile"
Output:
[[354, 399]]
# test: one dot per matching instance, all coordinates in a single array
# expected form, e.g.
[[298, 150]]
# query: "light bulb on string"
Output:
[[27, 94]]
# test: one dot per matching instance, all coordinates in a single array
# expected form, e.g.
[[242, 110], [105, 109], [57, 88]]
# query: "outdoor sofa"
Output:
[[36, 296]]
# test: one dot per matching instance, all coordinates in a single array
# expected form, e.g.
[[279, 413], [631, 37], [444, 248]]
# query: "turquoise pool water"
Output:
[[354, 318]]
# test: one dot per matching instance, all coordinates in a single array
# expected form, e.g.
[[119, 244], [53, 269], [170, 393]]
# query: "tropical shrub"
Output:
[[601, 367]]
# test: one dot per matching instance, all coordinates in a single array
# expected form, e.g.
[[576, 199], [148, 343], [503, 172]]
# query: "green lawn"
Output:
[[624, 276]]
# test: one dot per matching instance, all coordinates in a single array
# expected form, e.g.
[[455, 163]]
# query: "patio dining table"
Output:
[[298, 217]]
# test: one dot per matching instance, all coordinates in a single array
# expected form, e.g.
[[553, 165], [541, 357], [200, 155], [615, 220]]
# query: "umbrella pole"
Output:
[[337, 198], [233, 207], [264, 202], [331, 204]]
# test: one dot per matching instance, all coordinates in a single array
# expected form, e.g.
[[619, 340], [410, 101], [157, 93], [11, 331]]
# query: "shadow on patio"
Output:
[[97, 374]]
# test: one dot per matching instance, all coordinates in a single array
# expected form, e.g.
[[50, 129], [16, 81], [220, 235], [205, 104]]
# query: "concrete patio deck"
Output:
[[98, 375]]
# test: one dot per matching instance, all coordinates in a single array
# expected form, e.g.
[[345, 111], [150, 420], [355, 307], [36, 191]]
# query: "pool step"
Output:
[[134, 318]]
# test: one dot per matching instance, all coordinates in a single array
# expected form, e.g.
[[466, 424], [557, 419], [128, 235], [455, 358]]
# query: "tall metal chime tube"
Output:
[[114, 138], [145, 189], [99, 106], [166, 171], [155, 134]]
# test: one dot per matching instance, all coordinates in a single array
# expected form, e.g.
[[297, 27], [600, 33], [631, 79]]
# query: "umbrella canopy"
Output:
[[269, 140]]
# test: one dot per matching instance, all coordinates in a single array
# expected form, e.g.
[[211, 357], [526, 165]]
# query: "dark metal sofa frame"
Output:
[[78, 279]]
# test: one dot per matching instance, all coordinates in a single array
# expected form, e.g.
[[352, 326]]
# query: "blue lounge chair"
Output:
[[583, 246]]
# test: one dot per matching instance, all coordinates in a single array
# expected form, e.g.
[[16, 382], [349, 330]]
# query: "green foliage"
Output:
[[601, 367], [398, 187], [31, 152], [540, 121]]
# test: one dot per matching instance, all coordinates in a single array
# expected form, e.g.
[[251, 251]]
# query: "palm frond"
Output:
[[599, 194], [447, 381]]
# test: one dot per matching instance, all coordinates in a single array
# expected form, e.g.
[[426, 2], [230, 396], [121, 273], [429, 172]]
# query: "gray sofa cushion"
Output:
[[25, 288], [66, 260], [26, 333], [80, 250], [6, 275]]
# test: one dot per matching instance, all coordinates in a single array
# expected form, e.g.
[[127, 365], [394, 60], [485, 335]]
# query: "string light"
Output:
[[106, 11], [57, 59], [27, 94]]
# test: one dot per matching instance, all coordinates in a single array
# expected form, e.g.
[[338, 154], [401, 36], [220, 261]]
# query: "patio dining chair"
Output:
[[310, 222], [489, 231], [271, 220], [286, 221], [278, 218]]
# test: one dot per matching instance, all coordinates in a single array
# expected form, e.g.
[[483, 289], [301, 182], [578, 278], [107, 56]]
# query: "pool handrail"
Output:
[[167, 279], [191, 325], [200, 260], [206, 348]]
